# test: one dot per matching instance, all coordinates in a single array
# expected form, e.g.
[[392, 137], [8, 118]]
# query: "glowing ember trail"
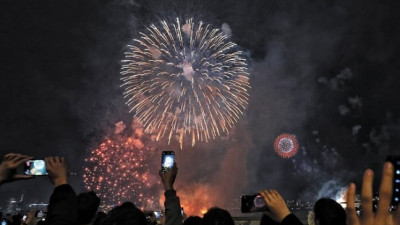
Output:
[[185, 78]]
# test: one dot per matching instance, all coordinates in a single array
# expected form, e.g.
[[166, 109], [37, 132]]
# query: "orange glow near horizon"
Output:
[[195, 200]]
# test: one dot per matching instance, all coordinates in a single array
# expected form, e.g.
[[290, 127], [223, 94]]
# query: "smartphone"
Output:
[[35, 167], [167, 160], [252, 203], [158, 214], [395, 160]]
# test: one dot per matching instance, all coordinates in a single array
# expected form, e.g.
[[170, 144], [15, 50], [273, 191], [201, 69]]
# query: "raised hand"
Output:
[[382, 216], [57, 169], [168, 177], [8, 172], [277, 208]]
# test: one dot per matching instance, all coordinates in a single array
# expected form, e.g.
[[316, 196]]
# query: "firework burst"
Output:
[[286, 145], [185, 78], [118, 171]]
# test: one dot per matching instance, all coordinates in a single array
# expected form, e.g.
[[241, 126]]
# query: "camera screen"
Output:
[[168, 161], [252, 203], [158, 214], [35, 167]]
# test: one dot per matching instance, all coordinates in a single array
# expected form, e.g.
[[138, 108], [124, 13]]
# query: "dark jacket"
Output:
[[173, 215], [291, 219], [62, 209]]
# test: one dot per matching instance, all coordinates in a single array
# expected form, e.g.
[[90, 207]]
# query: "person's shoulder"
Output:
[[292, 220]]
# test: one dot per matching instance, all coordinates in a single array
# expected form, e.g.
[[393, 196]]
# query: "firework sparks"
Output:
[[185, 80], [286, 145], [117, 171]]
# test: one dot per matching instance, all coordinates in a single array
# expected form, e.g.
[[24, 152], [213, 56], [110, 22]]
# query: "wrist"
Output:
[[168, 187], [283, 216], [60, 181]]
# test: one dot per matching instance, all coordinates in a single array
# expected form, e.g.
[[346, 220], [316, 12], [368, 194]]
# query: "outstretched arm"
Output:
[[63, 202], [172, 204]]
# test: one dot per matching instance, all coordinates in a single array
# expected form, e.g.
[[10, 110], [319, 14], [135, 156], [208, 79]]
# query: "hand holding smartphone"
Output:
[[252, 203], [167, 160], [35, 167]]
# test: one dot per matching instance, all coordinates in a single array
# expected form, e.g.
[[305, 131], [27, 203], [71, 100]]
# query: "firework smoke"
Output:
[[185, 78]]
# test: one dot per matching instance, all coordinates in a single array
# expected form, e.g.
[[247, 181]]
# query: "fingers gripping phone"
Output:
[[252, 203], [167, 160], [395, 160], [35, 167]]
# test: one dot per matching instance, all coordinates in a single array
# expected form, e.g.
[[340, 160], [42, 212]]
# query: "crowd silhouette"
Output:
[[67, 208]]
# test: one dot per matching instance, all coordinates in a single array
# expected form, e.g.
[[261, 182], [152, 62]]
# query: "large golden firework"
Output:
[[185, 79]]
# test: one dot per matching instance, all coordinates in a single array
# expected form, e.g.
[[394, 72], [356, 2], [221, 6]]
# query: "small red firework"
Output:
[[286, 145]]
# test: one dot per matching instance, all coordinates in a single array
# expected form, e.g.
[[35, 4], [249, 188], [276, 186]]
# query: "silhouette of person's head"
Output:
[[217, 216], [125, 214], [88, 203], [16, 219], [329, 212], [100, 216], [192, 220]]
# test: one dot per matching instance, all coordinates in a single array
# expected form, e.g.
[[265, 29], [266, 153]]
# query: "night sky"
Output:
[[326, 72]]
